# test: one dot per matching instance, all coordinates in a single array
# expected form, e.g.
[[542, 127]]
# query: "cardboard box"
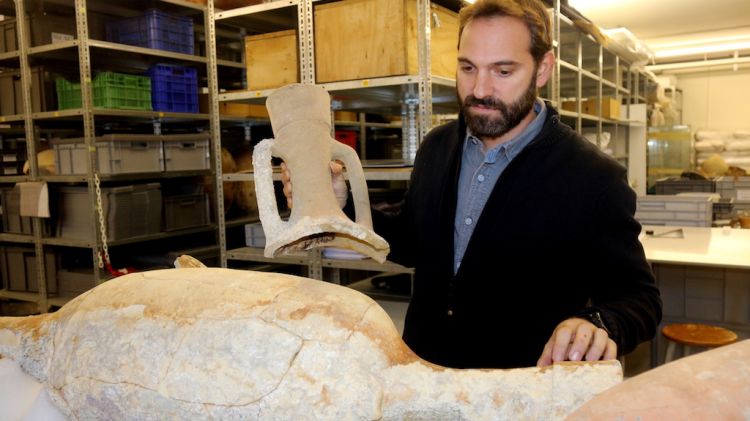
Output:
[[591, 107], [234, 109], [610, 110], [360, 39], [272, 60]]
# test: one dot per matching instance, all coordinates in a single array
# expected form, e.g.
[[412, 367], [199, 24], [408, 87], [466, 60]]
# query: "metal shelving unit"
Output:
[[87, 54], [584, 69]]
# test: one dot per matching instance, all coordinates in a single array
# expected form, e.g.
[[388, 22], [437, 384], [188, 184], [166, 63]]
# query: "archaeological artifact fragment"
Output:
[[301, 120], [212, 343]]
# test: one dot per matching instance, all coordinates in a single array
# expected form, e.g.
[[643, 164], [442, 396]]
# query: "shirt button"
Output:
[[450, 312], [480, 177], [468, 221]]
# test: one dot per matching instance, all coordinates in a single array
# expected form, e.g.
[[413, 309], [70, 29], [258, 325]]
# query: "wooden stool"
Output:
[[694, 334]]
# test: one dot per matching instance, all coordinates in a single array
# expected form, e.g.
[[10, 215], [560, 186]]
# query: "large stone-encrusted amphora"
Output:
[[301, 121]]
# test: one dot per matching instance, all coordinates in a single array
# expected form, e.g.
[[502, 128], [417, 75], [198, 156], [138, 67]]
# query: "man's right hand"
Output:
[[340, 190]]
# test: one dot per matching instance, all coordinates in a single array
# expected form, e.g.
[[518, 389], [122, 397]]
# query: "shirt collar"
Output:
[[514, 146]]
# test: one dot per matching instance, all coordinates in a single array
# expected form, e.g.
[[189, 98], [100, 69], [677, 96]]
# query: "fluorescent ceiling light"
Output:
[[702, 49]]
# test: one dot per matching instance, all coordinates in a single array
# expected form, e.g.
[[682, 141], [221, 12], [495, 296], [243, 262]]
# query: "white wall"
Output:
[[718, 99]]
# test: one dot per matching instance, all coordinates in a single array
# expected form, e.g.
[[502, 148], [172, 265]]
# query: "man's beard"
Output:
[[510, 116]]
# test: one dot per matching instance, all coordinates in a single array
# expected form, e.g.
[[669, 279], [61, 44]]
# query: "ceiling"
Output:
[[687, 22]]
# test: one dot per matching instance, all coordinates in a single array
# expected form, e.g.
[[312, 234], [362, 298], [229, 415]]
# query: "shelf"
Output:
[[254, 254], [32, 297], [77, 113], [366, 264], [233, 64], [111, 53], [17, 238], [371, 174], [14, 178], [84, 243], [262, 18], [368, 95], [11, 118], [79, 178], [9, 56], [242, 221]]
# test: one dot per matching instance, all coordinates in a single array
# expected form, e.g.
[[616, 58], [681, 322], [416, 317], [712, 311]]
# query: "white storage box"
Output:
[[115, 154], [184, 152], [692, 211], [254, 235]]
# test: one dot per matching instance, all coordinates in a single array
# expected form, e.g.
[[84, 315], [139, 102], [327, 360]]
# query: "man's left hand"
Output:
[[576, 339]]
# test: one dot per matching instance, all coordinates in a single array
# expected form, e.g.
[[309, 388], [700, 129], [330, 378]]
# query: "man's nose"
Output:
[[483, 86]]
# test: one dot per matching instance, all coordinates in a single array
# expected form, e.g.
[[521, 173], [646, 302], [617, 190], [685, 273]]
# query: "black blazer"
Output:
[[557, 233]]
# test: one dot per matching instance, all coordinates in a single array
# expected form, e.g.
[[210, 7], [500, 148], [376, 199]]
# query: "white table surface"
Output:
[[22, 398], [699, 246]]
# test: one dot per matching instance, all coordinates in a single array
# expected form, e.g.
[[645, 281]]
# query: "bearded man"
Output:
[[521, 232]]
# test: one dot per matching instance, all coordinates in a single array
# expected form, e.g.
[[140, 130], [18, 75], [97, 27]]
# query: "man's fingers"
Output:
[[546, 358], [598, 345], [561, 343], [610, 353], [581, 342], [286, 181]]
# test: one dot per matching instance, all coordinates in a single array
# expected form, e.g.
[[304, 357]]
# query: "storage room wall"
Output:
[[716, 99]]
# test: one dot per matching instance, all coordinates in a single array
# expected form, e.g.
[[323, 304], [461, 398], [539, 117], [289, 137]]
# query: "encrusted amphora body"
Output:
[[301, 120], [211, 343]]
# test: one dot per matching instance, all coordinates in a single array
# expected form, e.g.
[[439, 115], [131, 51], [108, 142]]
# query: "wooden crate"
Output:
[[360, 39], [234, 109], [272, 60]]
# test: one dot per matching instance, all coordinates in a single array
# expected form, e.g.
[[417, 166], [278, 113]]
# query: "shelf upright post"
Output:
[[306, 42], [215, 126], [425, 74], [87, 104], [599, 93], [555, 80], [31, 138], [579, 81]]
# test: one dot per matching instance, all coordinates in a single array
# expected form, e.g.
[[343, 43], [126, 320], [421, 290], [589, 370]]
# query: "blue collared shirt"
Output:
[[479, 173]]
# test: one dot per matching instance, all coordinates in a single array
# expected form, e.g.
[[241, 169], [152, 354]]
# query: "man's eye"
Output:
[[504, 72], [467, 69]]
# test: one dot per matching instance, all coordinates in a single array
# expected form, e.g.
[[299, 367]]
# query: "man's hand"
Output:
[[337, 177], [575, 339]]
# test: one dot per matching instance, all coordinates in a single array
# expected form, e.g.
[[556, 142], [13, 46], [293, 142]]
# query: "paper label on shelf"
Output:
[[34, 199], [58, 37], [743, 194]]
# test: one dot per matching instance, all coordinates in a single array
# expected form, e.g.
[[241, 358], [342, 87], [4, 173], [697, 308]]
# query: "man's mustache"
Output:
[[488, 102]]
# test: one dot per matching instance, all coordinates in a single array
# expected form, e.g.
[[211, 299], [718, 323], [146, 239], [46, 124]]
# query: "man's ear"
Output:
[[544, 69]]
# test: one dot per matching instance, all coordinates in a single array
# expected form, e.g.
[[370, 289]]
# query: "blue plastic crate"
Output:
[[155, 29], [174, 88]]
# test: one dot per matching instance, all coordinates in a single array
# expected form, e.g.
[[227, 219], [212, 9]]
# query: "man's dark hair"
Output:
[[532, 12]]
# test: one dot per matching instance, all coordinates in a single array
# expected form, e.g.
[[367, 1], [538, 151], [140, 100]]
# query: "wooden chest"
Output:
[[360, 39], [272, 60]]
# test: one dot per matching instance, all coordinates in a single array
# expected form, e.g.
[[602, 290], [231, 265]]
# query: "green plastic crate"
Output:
[[110, 90]]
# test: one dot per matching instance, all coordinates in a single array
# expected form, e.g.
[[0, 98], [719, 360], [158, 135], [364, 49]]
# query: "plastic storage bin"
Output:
[[155, 29], [110, 90], [18, 269], [184, 152], [675, 185], [13, 222], [174, 88], [693, 211], [115, 154], [129, 211], [185, 211]]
